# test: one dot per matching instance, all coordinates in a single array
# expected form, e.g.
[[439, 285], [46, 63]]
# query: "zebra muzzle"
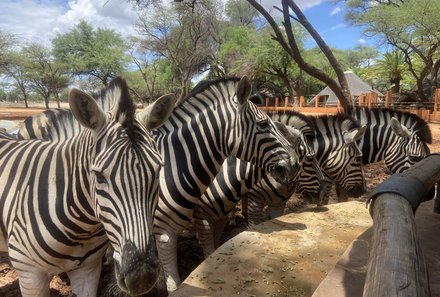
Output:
[[283, 170], [138, 271]]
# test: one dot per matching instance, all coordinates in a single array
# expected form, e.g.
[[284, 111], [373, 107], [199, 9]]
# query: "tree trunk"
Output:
[[26, 105], [183, 89]]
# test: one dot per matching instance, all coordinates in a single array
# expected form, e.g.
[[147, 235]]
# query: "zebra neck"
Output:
[[76, 158]]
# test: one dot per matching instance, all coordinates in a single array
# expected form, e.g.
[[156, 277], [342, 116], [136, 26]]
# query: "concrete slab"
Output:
[[287, 256]]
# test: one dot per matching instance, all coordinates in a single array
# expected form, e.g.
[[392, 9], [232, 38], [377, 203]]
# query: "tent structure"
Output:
[[355, 84]]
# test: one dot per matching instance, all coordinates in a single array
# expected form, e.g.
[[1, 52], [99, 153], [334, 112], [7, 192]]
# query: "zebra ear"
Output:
[[244, 90], [155, 114], [399, 129], [86, 110], [355, 134]]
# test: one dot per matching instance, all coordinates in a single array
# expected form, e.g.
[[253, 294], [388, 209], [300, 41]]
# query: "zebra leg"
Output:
[[341, 193], [276, 210], [34, 283], [219, 226], [205, 234], [255, 212], [167, 249], [84, 281]]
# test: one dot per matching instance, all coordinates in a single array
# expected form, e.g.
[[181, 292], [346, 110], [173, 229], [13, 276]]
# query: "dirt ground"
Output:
[[190, 253]]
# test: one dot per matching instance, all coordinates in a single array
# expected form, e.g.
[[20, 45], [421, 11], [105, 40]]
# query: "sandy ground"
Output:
[[190, 254]]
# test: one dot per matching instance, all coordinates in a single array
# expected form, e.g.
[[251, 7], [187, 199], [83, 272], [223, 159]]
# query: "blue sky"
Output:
[[41, 20]]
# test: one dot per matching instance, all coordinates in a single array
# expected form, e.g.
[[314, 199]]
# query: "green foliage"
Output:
[[240, 12], [86, 51]]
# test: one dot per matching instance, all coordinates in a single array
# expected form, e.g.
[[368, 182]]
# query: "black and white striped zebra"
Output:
[[337, 153], [215, 121], [398, 138], [62, 203]]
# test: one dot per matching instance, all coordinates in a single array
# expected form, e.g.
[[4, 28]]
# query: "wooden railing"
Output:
[[428, 111], [397, 266]]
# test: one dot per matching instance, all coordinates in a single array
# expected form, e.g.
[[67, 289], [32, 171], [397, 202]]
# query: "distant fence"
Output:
[[427, 111]]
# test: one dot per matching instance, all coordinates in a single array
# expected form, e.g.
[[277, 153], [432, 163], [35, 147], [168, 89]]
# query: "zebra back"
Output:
[[59, 124]]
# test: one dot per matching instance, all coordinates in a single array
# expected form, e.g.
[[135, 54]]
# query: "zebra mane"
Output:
[[410, 120], [206, 84], [294, 119]]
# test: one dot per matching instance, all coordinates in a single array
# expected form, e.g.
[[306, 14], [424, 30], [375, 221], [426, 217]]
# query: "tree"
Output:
[[240, 12], [290, 45], [98, 53], [270, 59], [7, 41], [46, 77], [392, 66], [15, 66], [182, 34], [410, 26]]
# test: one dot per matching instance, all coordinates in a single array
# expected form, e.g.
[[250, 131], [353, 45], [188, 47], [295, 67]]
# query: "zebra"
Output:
[[398, 138], [337, 154], [215, 120], [62, 203]]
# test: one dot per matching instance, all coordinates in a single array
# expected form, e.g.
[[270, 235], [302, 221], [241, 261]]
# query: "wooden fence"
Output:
[[430, 113]]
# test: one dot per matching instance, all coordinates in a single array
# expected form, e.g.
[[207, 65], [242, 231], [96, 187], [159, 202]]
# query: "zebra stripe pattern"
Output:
[[216, 120], [68, 200], [399, 138], [335, 140]]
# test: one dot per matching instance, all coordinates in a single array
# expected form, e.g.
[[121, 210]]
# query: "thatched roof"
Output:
[[355, 84]]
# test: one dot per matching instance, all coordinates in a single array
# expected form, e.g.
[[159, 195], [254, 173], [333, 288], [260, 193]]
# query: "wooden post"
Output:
[[437, 100], [301, 101], [395, 244], [267, 102], [369, 99], [317, 101], [286, 102], [388, 99], [361, 100], [396, 266], [277, 101]]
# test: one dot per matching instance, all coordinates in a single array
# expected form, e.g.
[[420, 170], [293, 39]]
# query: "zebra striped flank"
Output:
[[68, 200]]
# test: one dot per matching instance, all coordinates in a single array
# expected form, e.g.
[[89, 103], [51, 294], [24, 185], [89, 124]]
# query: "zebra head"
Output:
[[342, 162], [310, 176], [408, 148], [258, 140], [123, 184]]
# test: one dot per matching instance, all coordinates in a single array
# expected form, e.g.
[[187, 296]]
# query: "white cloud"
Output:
[[335, 10], [362, 41], [40, 21], [338, 26]]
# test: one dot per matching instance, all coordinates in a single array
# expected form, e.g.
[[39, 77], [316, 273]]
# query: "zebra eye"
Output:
[[263, 124], [100, 178], [415, 159]]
